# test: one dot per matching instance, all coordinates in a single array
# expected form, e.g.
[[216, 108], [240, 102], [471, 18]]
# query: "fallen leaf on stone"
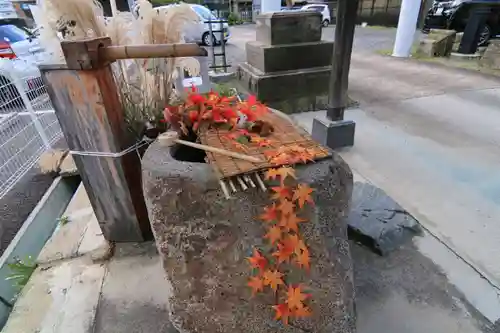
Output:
[[256, 283], [281, 192], [302, 194], [273, 279], [303, 259], [274, 234], [282, 312], [295, 298], [290, 222], [302, 312], [286, 207], [270, 214], [258, 261]]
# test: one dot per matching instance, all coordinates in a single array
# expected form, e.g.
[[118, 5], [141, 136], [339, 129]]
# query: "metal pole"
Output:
[[212, 46], [29, 107], [222, 45], [407, 26], [341, 59]]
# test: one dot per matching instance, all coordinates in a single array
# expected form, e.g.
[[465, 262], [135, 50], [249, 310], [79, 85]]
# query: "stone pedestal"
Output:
[[288, 66], [204, 239], [491, 57], [438, 43]]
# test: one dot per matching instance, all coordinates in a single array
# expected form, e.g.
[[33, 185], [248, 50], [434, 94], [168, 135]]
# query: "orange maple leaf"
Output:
[[286, 207], [270, 214], [271, 174], [303, 259], [258, 261], [274, 234], [285, 172], [273, 279], [290, 222], [282, 312], [281, 192], [256, 283], [302, 194], [295, 298], [301, 246], [283, 252], [292, 243], [302, 312]]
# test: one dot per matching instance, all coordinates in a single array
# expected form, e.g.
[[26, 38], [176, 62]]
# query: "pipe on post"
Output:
[[112, 53]]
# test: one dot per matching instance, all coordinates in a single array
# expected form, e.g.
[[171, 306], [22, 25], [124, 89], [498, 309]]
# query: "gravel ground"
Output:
[[19, 202]]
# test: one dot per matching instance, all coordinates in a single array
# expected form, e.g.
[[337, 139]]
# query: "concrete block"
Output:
[[288, 27], [284, 85], [333, 134], [273, 58], [221, 77], [438, 43], [59, 299], [135, 293], [491, 57]]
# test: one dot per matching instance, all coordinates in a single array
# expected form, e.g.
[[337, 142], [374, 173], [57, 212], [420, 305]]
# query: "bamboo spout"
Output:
[[112, 53]]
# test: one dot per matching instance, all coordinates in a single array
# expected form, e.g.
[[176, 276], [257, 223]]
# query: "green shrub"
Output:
[[233, 19]]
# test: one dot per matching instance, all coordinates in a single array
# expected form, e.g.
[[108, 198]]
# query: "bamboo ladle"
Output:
[[170, 138]]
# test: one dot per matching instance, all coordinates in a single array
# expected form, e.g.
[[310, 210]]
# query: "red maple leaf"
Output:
[[281, 192], [270, 214], [286, 207], [258, 261], [282, 312]]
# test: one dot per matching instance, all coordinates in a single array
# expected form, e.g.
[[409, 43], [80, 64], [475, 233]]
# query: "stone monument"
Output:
[[204, 240], [288, 67]]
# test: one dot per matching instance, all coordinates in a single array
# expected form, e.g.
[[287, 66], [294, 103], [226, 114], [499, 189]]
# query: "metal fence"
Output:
[[28, 125]]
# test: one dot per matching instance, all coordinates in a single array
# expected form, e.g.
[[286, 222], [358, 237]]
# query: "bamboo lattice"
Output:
[[285, 134]]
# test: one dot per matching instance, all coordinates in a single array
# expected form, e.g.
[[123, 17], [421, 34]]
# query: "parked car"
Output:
[[455, 15], [20, 53], [323, 9], [201, 33]]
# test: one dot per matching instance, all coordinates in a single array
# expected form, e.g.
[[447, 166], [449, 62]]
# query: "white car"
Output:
[[201, 33], [20, 53], [323, 9]]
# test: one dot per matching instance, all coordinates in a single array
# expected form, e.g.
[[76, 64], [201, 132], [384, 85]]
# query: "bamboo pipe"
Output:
[[169, 138], [112, 53]]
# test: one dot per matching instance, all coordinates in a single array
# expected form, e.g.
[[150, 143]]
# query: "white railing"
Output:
[[28, 125]]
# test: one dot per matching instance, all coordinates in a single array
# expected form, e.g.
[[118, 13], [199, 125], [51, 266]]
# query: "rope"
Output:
[[135, 147]]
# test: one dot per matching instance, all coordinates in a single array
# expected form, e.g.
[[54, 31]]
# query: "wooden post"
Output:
[[341, 59], [87, 105]]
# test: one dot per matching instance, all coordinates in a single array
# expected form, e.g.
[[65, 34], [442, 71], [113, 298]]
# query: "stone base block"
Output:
[[491, 57], [219, 78], [289, 27], [285, 85], [439, 43], [333, 134], [273, 58]]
